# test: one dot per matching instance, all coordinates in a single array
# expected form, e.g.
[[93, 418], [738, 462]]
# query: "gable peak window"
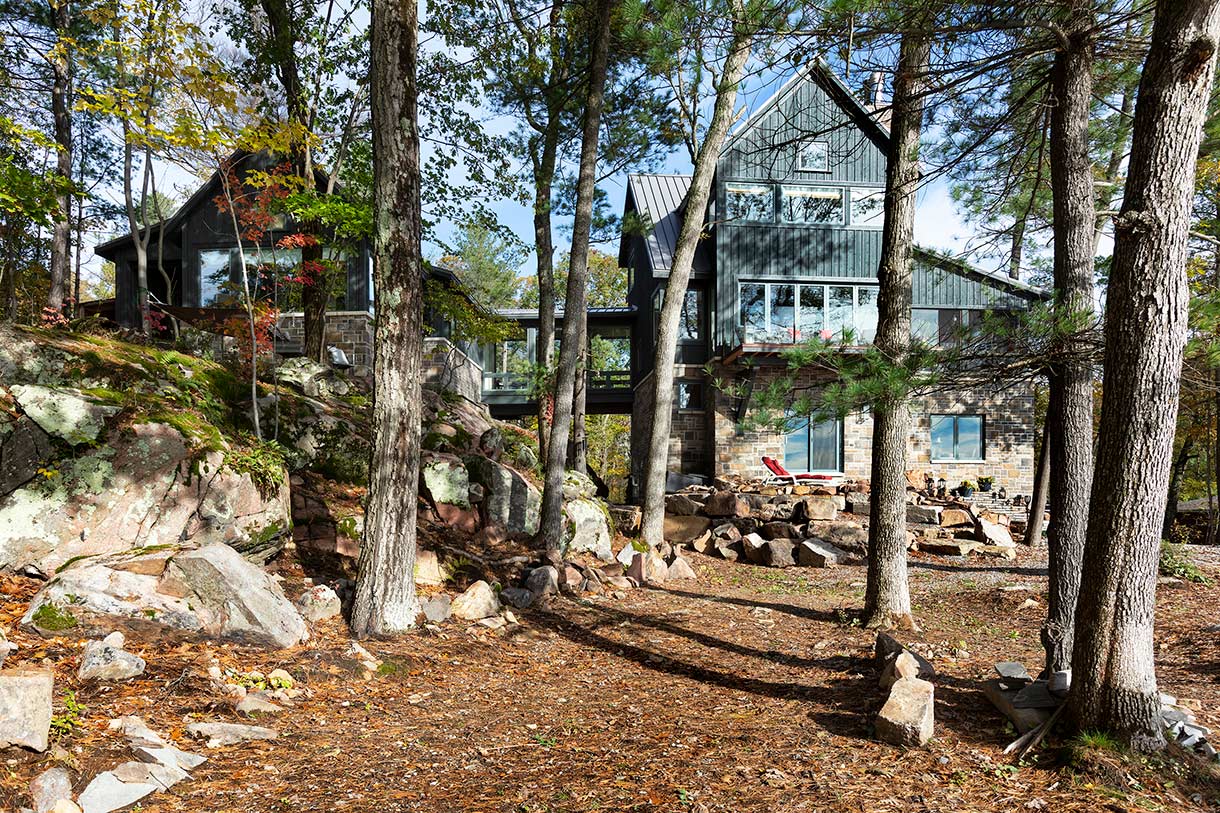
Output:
[[814, 157]]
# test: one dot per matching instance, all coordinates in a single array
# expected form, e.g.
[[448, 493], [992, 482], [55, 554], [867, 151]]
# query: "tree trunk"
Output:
[[61, 234], [570, 351], [1070, 413], [1017, 249], [385, 582], [694, 208], [580, 441], [887, 598], [1037, 502], [1175, 486], [1114, 682], [544, 177]]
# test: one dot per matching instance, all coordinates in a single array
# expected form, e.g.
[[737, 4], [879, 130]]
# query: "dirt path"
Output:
[[748, 691]]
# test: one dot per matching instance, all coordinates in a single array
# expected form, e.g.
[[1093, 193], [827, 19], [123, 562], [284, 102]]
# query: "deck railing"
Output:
[[519, 383]]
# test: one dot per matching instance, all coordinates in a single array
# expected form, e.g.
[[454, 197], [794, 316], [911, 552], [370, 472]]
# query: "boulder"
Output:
[[25, 708], [519, 597], [491, 443], [679, 568], [102, 661], [898, 668], [815, 507], [999, 551], [106, 792], [319, 602], [577, 486], [681, 505], [846, 536], [23, 449], [211, 590], [726, 532], [682, 530], [753, 545], [510, 500], [655, 569], [993, 533], [590, 529], [924, 514], [436, 608], [446, 481], [479, 601], [626, 519], [726, 504], [778, 530], [428, 569], [887, 648], [955, 517], [730, 551], [703, 543], [63, 413], [49, 787], [947, 547], [778, 553], [222, 734], [144, 488], [908, 716], [543, 581], [816, 553], [858, 504], [635, 570]]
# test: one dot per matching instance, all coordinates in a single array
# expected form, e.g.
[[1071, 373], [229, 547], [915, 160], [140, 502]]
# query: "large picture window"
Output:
[[814, 446], [821, 205], [958, 438], [215, 273], [786, 313], [750, 203]]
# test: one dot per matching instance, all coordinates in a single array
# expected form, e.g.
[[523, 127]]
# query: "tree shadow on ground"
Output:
[[1014, 570], [808, 613]]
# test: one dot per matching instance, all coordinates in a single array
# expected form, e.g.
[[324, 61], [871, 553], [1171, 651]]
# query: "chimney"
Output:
[[872, 90]]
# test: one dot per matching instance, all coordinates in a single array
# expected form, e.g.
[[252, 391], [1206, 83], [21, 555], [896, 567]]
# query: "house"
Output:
[[197, 249], [791, 249]]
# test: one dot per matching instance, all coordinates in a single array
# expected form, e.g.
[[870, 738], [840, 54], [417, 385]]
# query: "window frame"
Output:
[[658, 301], [797, 320], [955, 416], [784, 191], [696, 386], [840, 450], [869, 191], [750, 187], [802, 164]]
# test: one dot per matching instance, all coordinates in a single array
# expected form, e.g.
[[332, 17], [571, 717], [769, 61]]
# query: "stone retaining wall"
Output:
[[350, 331], [446, 367]]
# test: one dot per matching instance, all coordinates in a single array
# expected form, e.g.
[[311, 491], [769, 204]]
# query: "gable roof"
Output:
[[819, 73], [658, 199]]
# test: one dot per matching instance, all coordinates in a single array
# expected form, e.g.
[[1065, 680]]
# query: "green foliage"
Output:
[[1096, 740], [1176, 562], [486, 261], [470, 323], [65, 725], [52, 618], [263, 461]]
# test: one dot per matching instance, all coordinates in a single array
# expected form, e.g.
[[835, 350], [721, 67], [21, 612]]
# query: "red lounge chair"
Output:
[[779, 473]]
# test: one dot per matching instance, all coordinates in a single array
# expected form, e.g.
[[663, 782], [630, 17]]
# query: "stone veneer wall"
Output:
[[350, 331], [690, 430], [446, 367], [1009, 422]]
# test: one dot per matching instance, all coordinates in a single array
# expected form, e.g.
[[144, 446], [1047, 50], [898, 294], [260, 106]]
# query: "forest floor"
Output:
[[750, 690]]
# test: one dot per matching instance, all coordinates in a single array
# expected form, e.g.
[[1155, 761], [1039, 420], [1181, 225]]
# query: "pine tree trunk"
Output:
[[1114, 681], [1037, 503], [385, 583], [61, 233], [1016, 249], [1070, 414], [652, 528], [544, 248], [887, 598], [552, 523], [1175, 486], [580, 441]]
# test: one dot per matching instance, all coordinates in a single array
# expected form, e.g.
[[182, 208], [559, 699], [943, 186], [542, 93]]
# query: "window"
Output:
[[813, 204], [750, 203], [688, 395], [925, 325], [957, 437], [867, 207], [814, 157], [690, 318], [215, 273], [814, 446], [785, 313]]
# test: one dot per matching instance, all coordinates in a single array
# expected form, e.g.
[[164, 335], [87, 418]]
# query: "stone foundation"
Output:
[[690, 450], [446, 367], [1009, 446], [350, 331]]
